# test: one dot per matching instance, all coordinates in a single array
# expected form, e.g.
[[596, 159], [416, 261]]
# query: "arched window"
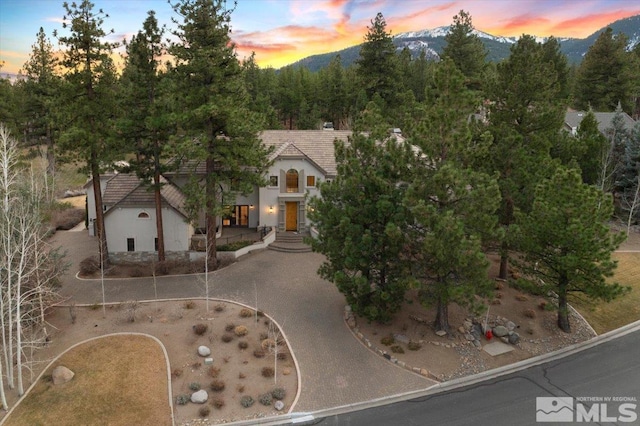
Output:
[[143, 215], [292, 180]]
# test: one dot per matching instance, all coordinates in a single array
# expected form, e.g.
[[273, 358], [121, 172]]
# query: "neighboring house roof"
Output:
[[317, 145], [127, 190], [572, 120]]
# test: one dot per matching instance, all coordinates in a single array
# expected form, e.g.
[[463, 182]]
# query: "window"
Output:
[[131, 244], [273, 180], [292, 180], [311, 181], [143, 215]]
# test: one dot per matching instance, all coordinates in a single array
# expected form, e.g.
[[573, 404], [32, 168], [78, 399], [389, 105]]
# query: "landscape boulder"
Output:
[[199, 397], [500, 331], [514, 338], [204, 351], [279, 405], [61, 374]]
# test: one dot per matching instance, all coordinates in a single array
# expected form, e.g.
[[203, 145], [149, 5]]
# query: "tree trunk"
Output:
[[159, 226], [563, 306], [211, 219], [97, 196], [51, 159], [442, 316], [504, 262]]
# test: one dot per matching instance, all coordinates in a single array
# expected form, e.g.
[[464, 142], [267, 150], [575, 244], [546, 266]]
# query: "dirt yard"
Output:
[[237, 371]]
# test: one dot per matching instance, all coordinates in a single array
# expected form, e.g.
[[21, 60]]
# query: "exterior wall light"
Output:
[[270, 209]]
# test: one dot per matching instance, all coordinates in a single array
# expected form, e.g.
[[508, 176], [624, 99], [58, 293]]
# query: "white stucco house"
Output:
[[301, 160]]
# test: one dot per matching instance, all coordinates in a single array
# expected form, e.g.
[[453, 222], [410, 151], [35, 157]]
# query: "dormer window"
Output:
[[143, 215]]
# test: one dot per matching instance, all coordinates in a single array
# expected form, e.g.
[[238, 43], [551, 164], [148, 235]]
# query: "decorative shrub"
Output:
[[196, 365], [200, 329], [241, 376], [388, 340], [542, 305], [529, 313], [234, 246], [226, 337], [246, 313], [213, 371], [278, 393], [521, 298], [260, 313], [246, 401], [217, 402], [217, 385], [499, 285], [177, 372], [243, 345], [267, 372], [90, 265], [258, 353], [499, 295], [263, 336], [194, 386], [268, 344], [265, 399], [240, 388], [189, 304], [204, 411], [182, 399], [229, 327], [414, 346], [240, 330], [397, 349], [219, 307], [282, 356], [496, 302]]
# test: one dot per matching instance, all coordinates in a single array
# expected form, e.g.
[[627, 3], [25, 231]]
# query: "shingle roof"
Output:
[[127, 190], [317, 145], [574, 118]]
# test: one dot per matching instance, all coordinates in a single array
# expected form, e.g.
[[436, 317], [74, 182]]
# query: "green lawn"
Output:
[[604, 317]]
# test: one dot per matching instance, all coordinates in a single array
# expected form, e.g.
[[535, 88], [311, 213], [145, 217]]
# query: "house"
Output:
[[572, 120], [301, 159]]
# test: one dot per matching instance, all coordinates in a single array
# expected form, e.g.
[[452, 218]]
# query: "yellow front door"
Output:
[[291, 222]]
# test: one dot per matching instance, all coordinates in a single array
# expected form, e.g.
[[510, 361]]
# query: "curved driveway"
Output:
[[335, 368]]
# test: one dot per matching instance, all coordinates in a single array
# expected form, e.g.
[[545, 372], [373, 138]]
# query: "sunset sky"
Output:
[[283, 31]]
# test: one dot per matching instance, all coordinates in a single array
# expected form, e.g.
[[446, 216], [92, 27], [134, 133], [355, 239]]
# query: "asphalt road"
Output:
[[610, 369]]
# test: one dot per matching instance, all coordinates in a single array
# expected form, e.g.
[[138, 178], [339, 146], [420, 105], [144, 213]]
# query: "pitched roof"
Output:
[[317, 145], [604, 119], [127, 190]]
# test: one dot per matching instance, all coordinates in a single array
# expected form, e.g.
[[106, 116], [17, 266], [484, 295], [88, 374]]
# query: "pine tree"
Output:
[[89, 101], [219, 129], [566, 242], [146, 123], [360, 220], [466, 50], [605, 76]]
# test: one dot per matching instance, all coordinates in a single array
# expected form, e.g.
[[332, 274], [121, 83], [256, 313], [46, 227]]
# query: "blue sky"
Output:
[[283, 31]]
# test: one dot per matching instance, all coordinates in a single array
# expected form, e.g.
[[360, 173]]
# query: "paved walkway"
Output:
[[335, 368]]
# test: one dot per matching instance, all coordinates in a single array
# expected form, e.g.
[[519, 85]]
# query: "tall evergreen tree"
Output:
[[219, 128], [566, 242], [466, 50], [42, 90], [89, 104], [605, 76], [377, 66], [146, 123]]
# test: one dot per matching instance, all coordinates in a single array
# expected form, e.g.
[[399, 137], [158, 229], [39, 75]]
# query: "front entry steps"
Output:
[[290, 242]]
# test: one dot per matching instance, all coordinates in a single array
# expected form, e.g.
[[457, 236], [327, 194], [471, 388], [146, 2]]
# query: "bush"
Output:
[[265, 399], [217, 385], [229, 327], [240, 330], [267, 372], [397, 349], [182, 399], [226, 337], [241, 376], [278, 393], [90, 265], [217, 402], [521, 298], [194, 386], [414, 346], [177, 372], [204, 411], [139, 271], [219, 307], [282, 356], [243, 345], [236, 245], [529, 313], [388, 340], [258, 353], [263, 336], [189, 304], [246, 401], [246, 313], [213, 371], [66, 218], [268, 344], [200, 329]]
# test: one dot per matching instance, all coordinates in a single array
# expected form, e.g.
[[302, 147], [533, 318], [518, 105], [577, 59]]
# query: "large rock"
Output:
[[514, 338], [204, 351], [61, 374], [199, 397], [511, 326], [500, 331], [279, 405]]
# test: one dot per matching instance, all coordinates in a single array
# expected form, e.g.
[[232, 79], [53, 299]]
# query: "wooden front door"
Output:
[[291, 221]]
